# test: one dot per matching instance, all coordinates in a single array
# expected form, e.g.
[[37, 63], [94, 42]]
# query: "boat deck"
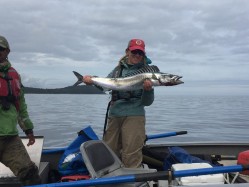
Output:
[[226, 152]]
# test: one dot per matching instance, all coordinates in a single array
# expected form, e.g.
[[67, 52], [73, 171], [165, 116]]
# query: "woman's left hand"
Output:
[[147, 85]]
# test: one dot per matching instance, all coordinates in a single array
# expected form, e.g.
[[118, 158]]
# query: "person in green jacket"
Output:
[[125, 132], [13, 110]]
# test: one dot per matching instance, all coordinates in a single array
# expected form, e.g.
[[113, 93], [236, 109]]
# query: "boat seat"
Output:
[[102, 162]]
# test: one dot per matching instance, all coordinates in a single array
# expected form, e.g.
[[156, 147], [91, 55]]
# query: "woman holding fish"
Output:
[[125, 132]]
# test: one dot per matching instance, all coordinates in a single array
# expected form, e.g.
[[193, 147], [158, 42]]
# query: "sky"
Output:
[[205, 41]]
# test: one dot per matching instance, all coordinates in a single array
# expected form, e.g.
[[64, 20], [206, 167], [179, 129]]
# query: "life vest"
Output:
[[10, 87]]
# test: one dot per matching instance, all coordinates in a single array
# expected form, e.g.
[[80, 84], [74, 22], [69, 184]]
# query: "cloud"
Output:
[[201, 40]]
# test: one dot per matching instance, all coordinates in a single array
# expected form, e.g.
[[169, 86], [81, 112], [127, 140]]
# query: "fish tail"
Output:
[[79, 76]]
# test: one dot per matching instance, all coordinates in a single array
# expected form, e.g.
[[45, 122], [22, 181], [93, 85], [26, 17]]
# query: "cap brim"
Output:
[[136, 47]]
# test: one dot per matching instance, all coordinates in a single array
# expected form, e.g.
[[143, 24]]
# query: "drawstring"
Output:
[[106, 116]]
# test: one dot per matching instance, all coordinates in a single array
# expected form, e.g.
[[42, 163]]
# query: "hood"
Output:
[[5, 66]]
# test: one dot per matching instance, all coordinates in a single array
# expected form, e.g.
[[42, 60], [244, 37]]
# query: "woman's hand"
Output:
[[87, 79], [147, 85]]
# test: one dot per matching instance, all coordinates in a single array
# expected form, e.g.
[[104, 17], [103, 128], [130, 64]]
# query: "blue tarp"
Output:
[[71, 161], [179, 155]]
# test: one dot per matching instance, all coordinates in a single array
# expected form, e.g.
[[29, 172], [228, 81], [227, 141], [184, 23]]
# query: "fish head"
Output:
[[170, 80]]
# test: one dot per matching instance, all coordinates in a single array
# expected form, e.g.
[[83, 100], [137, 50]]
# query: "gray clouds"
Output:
[[201, 40]]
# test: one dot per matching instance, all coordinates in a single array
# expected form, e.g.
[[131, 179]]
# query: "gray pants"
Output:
[[126, 136], [13, 154]]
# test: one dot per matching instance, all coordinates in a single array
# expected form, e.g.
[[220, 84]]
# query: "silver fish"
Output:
[[69, 159], [134, 81]]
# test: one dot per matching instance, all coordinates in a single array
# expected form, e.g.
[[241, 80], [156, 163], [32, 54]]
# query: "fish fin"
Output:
[[79, 76], [154, 77], [145, 69]]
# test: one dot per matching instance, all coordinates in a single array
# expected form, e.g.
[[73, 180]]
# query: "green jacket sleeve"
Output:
[[23, 116], [147, 97]]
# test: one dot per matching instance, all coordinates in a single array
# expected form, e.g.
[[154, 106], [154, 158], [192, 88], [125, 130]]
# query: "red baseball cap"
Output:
[[136, 44]]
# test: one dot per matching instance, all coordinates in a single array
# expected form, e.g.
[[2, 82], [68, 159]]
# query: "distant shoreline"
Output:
[[67, 90]]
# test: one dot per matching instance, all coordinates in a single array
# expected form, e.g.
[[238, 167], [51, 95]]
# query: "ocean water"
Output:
[[206, 118]]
